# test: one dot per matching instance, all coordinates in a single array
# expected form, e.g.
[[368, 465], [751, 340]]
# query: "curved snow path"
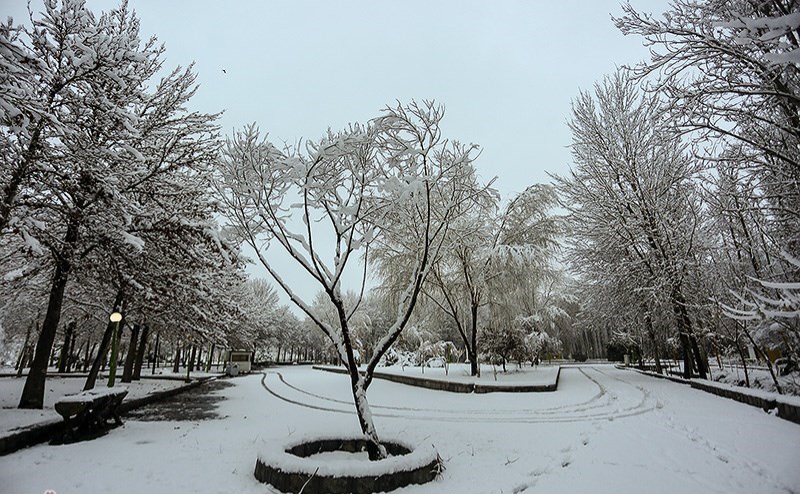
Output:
[[614, 398], [587, 404], [604, 431]]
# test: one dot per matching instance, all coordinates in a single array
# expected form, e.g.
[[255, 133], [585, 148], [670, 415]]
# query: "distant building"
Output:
[[240, 358]]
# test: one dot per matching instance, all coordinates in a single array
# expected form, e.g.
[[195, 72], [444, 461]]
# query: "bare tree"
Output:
[[395, 180], [494, 251], [728, 72], [632, 204]]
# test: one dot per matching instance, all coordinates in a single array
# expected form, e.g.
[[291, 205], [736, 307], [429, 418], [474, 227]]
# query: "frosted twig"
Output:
[[307, 481]]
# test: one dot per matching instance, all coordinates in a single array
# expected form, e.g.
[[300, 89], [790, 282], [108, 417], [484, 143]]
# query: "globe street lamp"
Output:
[[115, 317]]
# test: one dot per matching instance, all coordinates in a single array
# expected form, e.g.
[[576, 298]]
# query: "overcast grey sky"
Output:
[[505, 70]]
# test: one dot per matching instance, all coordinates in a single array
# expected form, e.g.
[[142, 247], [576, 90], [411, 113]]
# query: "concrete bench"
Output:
[[87, 413]]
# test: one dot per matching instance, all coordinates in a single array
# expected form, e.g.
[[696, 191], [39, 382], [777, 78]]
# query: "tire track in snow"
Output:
[[520, 416], [293, 402], [582, 406], [645, 393]]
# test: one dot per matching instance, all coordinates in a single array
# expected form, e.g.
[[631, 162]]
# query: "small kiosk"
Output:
[[238, 361]]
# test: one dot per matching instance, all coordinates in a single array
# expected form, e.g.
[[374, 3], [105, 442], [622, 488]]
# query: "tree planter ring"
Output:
[[289, 469]]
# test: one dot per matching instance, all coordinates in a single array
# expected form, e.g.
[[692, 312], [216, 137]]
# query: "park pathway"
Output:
[[604, 431]]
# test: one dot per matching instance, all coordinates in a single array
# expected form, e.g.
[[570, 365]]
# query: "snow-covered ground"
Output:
[[216, 370], [541, 374], [604, 431], [760, 378], [56, 387]]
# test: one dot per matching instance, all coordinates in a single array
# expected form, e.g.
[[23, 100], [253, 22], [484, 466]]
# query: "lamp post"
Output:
[[115, 317]]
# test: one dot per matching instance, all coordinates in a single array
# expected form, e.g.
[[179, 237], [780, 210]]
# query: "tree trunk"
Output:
[[743, 356], [176, 366], [702, 365], [156, 350], [137, 366], [210, 358], [474, 368], [130, 358], [88, 354], [192, 354], [91, 380], [687, 356], [23, 362], [688, 339], [71, 351], [53, 361], [23, 355], [375, 449], [763, 355], [648, 321], [198, 359], [657, 358], [63, 358], [473, 362], [73, 363], [33, 392]]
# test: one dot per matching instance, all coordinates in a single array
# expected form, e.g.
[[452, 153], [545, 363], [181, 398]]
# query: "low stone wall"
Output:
[[520, 388], [29, 436], [668, 377], [752, 400], [788, 410], [289, 473], [454, 387]]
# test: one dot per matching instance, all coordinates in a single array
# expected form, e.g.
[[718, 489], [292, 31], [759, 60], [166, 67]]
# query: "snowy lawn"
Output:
[[525, 375], [12, 418], [604, 431], [181, 374], [760, 378]]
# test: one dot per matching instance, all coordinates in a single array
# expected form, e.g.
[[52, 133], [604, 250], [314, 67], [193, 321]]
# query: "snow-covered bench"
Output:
[[86, 414]]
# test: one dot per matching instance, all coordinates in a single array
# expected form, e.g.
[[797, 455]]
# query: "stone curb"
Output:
[[38, 433], [383, 478], [786, 411], [454, 387]]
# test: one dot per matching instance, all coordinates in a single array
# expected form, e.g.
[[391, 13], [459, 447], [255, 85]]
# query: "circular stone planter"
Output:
[[294, 468]]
